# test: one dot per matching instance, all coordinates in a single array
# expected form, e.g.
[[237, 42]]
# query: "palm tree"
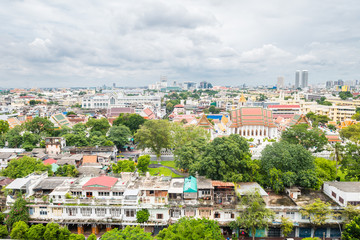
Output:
[[337, 154]]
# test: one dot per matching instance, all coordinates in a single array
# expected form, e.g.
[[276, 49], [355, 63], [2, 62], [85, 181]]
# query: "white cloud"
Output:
[[134, 42]]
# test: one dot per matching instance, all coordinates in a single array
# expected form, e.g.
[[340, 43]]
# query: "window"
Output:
[[159, 216], [274, 232], [228, 215], [100, 212], [43, 210], [31, 211], [129, 212], [151, 192], [76, 193], [304, 217], [115, 212], [118, 194], [204, 213], [217, 215], [333, 194], [290, 215], [205, 192], [354, 203], [341, 199], [86, 211], [190, 213], [71, 211], [104, 194], [175, 213]]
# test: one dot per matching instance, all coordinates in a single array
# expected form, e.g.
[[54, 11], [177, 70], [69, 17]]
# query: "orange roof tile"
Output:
[[90, 159]]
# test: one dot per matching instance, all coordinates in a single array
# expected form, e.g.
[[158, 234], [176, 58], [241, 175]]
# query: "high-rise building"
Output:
[[280, 83], [329, 84], [304, 79], [297, 79], [339, 82], [205, 85]]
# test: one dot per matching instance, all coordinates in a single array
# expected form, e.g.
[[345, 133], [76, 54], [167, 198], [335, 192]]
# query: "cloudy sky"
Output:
[[132, 43]]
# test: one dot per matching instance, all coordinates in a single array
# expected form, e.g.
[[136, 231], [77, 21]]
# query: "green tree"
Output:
[[287, 226], [345, 95], [182, 135], [308, 138], [325, 169], [294, 160], [317, 212], [189, 153], [332, 127], [351, 162], [92, 237], [129, 232], [30, 141], [142, 216], [356, 116], [226, 159], [352, 230], [255, 215], [169, 107], [143, 163], [18, 212], [133, 121], [67, 171], [191, 229], [14, 138], [123, 166], [351, 132], [35, 232], [22, 167], [78, 140], [39, 125], [54, 232], [119, 135], [19, 230], [100, 141], [3, 231], [70, 113], [4, 126], [79, 128], [213, 109], [74, 236], [102, 125], [350, 212], [154, 134]]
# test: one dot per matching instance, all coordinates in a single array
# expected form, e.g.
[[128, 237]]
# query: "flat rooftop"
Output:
[[345, 186]]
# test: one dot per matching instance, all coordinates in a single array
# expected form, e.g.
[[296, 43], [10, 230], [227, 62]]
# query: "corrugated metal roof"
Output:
[[190, 184], [222, 184]]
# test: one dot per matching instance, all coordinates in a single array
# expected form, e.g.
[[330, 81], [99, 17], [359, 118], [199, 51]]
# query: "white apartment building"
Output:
[[118, 99], [343, 193]]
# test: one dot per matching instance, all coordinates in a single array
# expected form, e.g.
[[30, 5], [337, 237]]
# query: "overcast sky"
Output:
[[132, 43]]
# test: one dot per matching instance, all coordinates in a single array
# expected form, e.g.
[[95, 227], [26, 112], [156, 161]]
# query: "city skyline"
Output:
[[61, 44]]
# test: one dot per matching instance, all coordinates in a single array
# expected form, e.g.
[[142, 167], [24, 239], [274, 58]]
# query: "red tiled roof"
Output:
[[90, 159], [179, 106], [104, 182], [222, 184], [284, 106], [289, 115], [333, 138], [49, 161], [115, 111], [248, 116]]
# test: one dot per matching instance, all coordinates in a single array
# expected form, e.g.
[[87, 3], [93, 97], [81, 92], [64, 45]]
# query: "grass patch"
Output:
[[162, 171], [166, 163]]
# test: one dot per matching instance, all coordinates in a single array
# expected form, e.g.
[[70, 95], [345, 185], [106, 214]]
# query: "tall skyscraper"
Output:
[[304, 79], [280, 83], [297, 79]]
